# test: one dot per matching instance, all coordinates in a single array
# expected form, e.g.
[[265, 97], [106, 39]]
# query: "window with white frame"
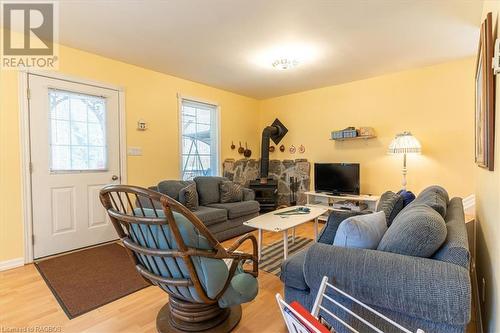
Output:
[[199, 139]]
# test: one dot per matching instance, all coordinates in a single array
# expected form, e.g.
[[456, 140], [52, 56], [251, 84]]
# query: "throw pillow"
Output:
[[436, 197], [361, 231], [408, 197], [230, 192], [419, 231], [188, 196], [391, 204]]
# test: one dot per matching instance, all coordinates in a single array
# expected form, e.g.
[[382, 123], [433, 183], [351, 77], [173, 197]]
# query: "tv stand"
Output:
[[326, 200]]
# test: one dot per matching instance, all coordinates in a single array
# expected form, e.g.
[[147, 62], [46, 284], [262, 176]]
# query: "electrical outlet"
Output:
[[483, 290], [134, 151]]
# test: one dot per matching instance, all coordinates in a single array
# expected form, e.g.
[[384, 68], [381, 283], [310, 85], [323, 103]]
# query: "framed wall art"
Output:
[[485, 98]]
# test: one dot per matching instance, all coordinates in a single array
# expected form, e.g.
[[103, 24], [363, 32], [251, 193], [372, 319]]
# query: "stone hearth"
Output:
[[244, 170]]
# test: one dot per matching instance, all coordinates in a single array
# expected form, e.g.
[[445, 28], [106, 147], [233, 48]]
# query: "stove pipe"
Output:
[[276, 132]]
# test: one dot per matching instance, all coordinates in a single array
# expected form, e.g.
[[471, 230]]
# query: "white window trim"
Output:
[[180, 98], [24, 139]]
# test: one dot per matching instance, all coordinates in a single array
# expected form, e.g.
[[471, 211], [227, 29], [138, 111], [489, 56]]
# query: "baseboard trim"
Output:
[[11, 263], [479, 320]]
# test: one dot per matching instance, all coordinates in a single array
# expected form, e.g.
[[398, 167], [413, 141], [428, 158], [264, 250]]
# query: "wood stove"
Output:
[[266, 194], [266, 189]]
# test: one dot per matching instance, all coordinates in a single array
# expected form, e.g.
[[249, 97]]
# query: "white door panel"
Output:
[[75, 150]]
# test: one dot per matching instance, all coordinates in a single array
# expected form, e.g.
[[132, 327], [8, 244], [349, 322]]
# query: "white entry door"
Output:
[[75, 151]]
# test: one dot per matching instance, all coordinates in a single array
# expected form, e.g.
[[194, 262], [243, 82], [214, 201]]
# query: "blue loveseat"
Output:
[[433, 294], [224, 220]]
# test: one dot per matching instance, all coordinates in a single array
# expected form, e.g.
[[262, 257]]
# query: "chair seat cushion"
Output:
[[243, 288], [238, 209], [212, 272], [210, 215]]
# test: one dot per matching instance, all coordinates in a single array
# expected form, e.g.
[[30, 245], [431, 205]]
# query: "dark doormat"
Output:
[[85, 280]]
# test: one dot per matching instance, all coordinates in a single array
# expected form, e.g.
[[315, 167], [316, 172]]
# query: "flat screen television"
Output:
[[336, 178]]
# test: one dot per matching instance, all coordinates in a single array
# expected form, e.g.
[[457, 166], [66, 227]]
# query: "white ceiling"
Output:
[[218, 42]]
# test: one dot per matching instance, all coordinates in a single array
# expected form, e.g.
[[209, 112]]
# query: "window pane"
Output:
[[59, 106], [78, 131], [79, 158], [198, 135], [97, 158], [79, 135], [60, 132], [96, 135], [61, 158]]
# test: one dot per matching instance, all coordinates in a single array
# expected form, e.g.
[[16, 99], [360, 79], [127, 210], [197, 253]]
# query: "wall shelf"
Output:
[[365, 137]]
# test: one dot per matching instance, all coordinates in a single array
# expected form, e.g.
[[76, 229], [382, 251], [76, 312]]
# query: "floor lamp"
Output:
[[404, 143]]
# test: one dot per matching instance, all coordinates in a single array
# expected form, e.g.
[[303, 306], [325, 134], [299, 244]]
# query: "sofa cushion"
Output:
[[208, 189], [230, 192], [189, 197], [248, 194], [292, 271], [172, 187], [210, 215], [408, 197], [362, 231], [456, 247], [238, 209], [433, 196], [417, 231], [391, 204]]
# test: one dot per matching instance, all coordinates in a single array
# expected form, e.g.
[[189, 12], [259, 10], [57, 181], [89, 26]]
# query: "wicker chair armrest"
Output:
[[246, 256]]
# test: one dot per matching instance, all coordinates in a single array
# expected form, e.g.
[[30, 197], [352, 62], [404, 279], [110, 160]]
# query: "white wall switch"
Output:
[[134, 151]]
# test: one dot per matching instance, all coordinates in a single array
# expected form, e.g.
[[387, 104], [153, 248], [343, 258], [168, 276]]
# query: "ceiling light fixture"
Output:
[[286, 56], [285, 63]]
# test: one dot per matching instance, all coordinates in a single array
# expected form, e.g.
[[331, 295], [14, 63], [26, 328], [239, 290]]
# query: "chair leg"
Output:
[[181, 316]]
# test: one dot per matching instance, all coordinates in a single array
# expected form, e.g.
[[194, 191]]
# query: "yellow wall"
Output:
[[488, 216], [434, 103], [151, 96]]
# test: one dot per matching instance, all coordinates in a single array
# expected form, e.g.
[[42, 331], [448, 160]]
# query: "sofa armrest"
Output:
[[248, 194], [419, 287]]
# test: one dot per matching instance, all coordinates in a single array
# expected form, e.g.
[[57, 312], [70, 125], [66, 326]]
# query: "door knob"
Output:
[[115, 177]]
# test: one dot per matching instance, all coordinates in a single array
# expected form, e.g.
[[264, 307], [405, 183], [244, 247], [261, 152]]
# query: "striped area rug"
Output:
[[272, 254]]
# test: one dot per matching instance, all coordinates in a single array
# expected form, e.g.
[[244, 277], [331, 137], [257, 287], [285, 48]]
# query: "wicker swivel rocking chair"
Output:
[[173, 250]]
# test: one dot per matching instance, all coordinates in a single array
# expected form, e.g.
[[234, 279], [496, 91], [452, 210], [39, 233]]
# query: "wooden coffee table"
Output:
[[280, 223]]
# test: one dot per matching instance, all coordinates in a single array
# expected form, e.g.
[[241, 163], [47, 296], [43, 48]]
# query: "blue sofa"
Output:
[[224, 220], [433, 294]]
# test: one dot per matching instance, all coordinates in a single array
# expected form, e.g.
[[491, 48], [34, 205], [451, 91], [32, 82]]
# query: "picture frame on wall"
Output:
[[485, 98]]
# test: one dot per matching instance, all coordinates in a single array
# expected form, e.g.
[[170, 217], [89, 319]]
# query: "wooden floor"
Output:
[[26, 301]]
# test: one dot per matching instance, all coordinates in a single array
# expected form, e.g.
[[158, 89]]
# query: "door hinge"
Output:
[[31, 167], [28, 93], [33, 239]]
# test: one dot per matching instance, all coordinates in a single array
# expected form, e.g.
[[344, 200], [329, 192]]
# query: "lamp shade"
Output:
[[405, 143]]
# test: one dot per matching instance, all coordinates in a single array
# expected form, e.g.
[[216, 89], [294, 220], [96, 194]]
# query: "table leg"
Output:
[[285, 244], [293, 235], [259, 244], [316, 229]]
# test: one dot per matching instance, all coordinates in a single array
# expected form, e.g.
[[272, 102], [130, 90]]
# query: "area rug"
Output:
[[85, 280], [272, 254]]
